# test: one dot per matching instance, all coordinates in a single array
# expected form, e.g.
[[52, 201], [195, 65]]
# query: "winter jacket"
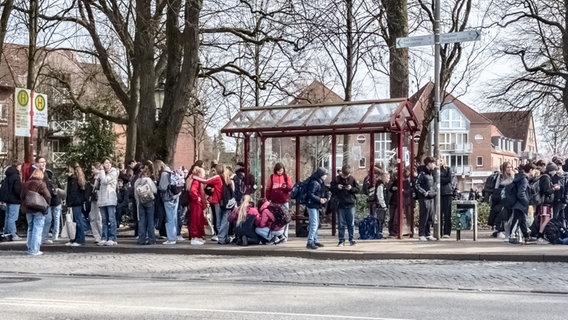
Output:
[[52, 185], [217, 182], [278, 188], [243, 184], [14, 186], [446, 181], [425, 185], [523, 195], [36, 185], [345, 198], [380, 195], [558, 178], [545, 189], [107, 191], [316, 191], [76, 195], [251, 211], [265, 218], [196, 194]]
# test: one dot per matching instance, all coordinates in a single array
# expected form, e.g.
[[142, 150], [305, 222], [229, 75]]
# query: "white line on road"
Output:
[[74, 303]]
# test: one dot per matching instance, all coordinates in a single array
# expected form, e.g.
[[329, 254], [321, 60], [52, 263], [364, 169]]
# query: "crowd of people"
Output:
[[161, 200]]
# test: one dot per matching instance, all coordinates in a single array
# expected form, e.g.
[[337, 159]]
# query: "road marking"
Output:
[[27, 302]]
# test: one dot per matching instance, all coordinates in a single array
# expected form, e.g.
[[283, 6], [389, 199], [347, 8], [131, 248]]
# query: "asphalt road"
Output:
[[146, 286]]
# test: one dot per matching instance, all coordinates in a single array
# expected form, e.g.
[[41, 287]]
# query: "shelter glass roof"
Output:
[[380, 115]]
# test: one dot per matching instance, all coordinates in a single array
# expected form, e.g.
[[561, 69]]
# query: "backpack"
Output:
[[281, 214], [491, 184], [509, 195], [227, 201], [535, 197], [176, 183], [144, 193], [300, 191], [555, 230], [369, 229]]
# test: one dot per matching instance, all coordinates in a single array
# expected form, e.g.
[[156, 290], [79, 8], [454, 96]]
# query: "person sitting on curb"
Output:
[[244, 217], [265, 226]]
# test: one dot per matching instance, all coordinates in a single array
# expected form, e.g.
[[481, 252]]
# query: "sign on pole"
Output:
[[40, 110], [22, 107], [428, 40]]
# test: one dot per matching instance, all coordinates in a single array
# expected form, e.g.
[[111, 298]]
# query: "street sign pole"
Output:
[[437, 218]]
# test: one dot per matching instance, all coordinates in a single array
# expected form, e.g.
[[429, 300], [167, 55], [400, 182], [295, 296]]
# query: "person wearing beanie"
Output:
[[558, 180], [316, 198], [551, 167]]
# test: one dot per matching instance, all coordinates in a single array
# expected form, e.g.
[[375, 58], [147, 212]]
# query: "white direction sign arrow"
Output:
[[452, 37], [428, 40]]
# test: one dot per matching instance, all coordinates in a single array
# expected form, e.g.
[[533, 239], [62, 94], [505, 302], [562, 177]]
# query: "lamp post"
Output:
[[159, 93]]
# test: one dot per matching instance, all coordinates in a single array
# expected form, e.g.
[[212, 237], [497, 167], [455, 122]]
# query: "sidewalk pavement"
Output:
[[485, 248]]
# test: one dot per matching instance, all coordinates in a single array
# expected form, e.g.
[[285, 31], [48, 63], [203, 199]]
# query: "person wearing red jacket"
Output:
[[278, 189], [265, 226], [214, 199], [197, 205]]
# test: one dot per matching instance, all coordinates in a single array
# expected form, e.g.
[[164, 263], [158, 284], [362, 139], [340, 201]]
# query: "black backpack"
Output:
[[555, 230], [227, 201], [281, 214]]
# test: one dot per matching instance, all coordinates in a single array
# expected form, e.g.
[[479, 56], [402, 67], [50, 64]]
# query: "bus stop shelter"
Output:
[[302, 120]]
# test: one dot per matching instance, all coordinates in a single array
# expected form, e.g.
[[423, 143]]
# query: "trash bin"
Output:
[[464, 217]]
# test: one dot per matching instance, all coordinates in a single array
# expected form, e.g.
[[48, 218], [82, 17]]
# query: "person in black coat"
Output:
[[426, 192], [316, 198], [76, 197], [447, 186], [11, 188]]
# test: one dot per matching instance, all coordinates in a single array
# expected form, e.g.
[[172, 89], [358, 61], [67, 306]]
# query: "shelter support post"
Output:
[[400, 177], [262, 166], [333, 177], [247, 158]]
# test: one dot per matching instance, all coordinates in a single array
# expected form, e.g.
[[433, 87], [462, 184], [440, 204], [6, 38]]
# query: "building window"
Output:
[[383, 152], [3, 113], [451, 118], [362, 162], [480, 161]]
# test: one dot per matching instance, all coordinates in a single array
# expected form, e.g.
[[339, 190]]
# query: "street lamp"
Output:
[[159, 93]]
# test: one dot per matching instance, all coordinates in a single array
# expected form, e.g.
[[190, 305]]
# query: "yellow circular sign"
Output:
[[40, 103], [23, 98]]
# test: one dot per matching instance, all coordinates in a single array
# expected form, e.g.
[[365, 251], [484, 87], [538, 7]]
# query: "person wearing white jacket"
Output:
[[107, 200]]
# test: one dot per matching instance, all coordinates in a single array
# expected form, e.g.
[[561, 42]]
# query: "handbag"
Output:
[[35, 202]]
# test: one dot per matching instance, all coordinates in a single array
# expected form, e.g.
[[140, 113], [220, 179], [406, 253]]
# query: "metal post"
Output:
[[437, 59], [262, 166], [333, 177]]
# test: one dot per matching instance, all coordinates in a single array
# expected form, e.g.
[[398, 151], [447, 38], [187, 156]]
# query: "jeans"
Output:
[[446, 215], [95, 220], [313, 221], [56, 215], [519, 222], [108, 214], [35, 230], [47, 224], [146, 223], [80, 224], [346, 218], [267, 234], [222, 224], [12, 212], [171, 218]]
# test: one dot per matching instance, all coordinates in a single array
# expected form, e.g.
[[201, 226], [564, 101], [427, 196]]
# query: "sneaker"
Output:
[[277, 240], [244, 241], [180, 238], [196, 242], [319, 244], [48, 241], [422, 238], [75, 244], [430, 238], [16, 238], [39, 253], [501, 235], [341, 243], [55, 238], [101, 243], [542, 241], [352, 242], [168, 242], [214, 238], [311, 246], [446, 236], [111, 243], [69, 243]]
